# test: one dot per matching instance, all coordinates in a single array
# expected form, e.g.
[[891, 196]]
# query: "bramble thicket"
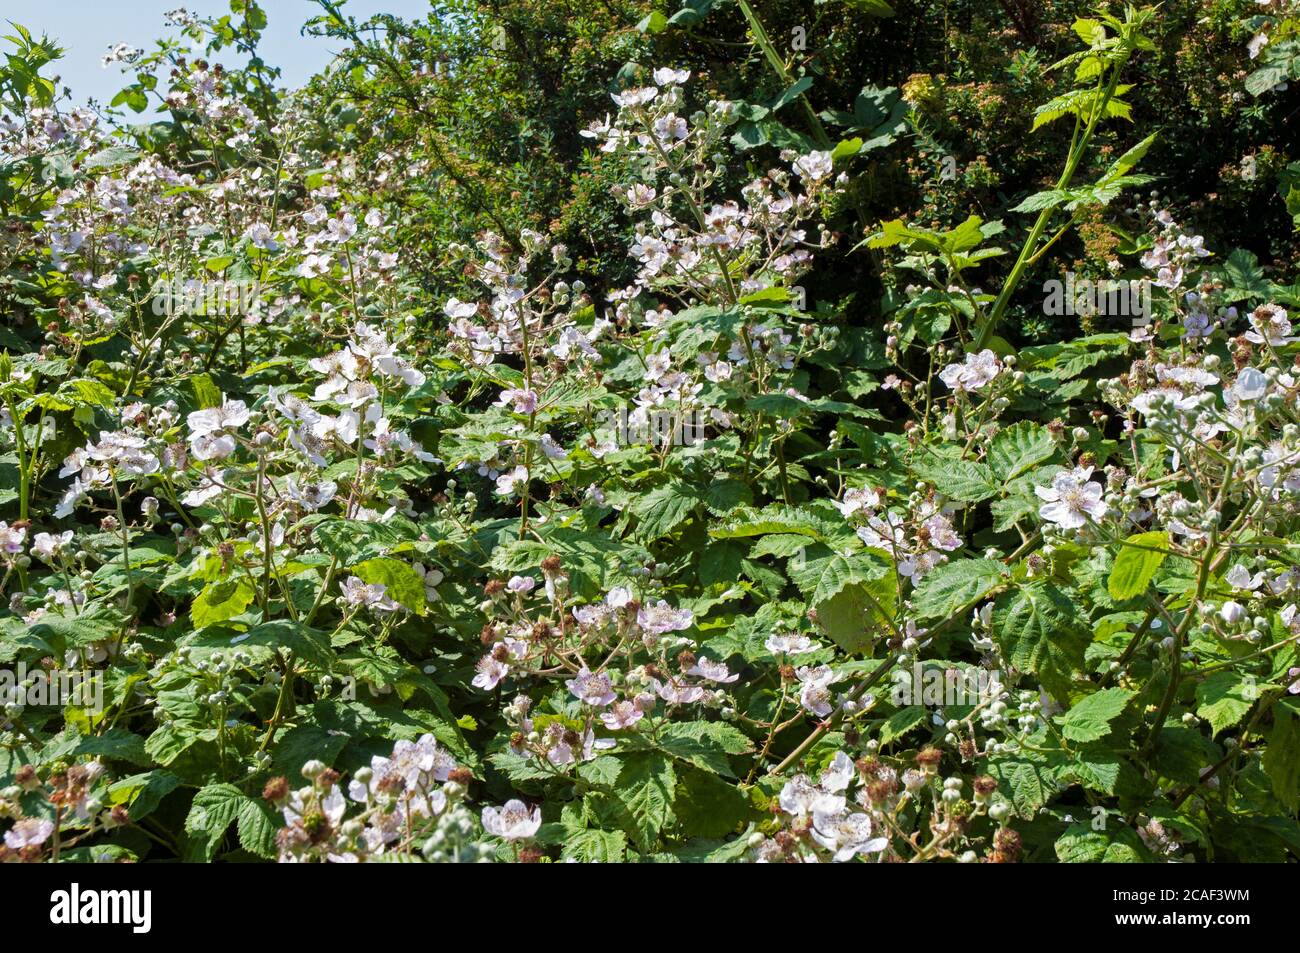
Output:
[[738, 431]]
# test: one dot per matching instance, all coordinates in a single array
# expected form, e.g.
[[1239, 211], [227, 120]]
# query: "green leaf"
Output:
[[95, 623], [656, 22], [142, 793], [216, 807], [1244, 277], [1090, 719], [855, 616], [1030, 783], [776, 518], [221, 600], [1019, 448], [646, 790], [304, 743], [791, 93], [705, 744], [1282, 756], [111, 156], [1129, 160], [1117, 844], [1038, 201], [960, 479], [845, 148], [172, 740], [874, 8], [660, 510], [1224, 698], [723, 496], [952, 586], [212, 811], [594, 846], [310, 645], [206, 393], [256, 827], [707, 806], [351, 540], [901, 722], [400, 581], [114, 744], [602, 771], [1139, 557], [1038, 628], [1097, 771], [822, 577]]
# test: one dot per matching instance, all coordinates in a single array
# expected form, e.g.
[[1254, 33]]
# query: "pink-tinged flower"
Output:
[[521, 584], [489, 672], [839, 773], [551, 449], [310, 496], [887, 533], [12, 539], [455, 308], [815, 695], [1294, 675], [414, 759], [508, 483], [791, 644], [661, 617], [332, 805], [974, 375], [228, 416], [126, 451], [712, 672], [800, 797], [1269, 323], [1232, 612], [669, 128], [1250, 385], [372, 595], [858, 499], [677, 692], [522, 401], [29, 832], [641, 194], [847, 835], [418, 764], [593, 616], [941, 534], [1070, 501], [212, 446], [591, 689], [45, 545], [559, 751], [208, 488], [74, 462], [514, 821], [622, 715], [666, 76], [814, 166], [639, 96]]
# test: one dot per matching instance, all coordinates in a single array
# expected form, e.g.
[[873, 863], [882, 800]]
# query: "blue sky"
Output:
[[86, 28]]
